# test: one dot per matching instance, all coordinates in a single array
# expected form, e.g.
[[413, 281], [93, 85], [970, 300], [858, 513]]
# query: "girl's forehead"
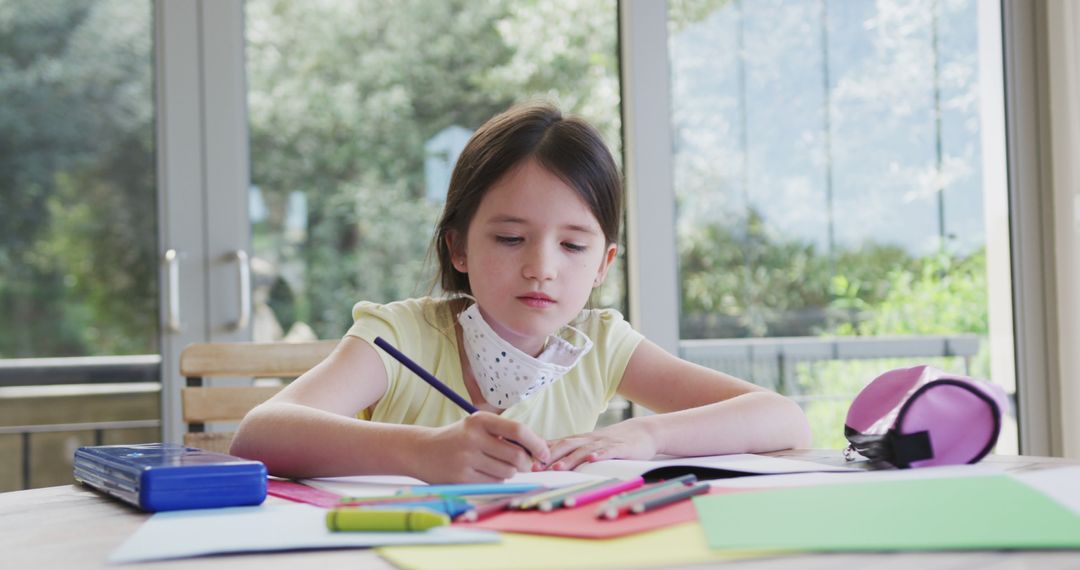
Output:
[[531, 194]]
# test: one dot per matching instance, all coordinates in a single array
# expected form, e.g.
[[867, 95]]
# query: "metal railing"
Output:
[[772, 362], [80, 370], [30, 373], [97, 427]]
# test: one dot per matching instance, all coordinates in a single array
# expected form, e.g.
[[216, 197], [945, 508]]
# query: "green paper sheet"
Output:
[[674, 545], [991, 512]]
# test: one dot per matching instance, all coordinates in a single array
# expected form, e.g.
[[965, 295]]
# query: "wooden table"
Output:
[[73, 527]]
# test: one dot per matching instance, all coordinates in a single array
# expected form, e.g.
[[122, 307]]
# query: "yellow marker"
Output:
[[384, 520]]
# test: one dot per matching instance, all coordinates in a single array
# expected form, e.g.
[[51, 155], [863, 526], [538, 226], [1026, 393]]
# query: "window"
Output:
[[357, 115], [78, 233], [838, 172]]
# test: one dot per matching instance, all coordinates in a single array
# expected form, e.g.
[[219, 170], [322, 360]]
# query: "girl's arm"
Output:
[[699, 412], [310, 429]]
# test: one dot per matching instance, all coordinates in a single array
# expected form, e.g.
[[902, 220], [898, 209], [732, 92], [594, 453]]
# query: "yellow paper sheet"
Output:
[[679, 544]]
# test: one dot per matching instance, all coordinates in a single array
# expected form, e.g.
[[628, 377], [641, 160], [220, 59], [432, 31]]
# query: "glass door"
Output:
[[840, 188], [79, 288], [123, 172], [357, 113]]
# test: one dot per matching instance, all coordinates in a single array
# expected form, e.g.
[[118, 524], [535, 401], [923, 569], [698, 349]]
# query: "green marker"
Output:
[[384, 520]]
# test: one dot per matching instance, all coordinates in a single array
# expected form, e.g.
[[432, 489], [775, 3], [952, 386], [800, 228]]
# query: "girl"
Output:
[[528, 231]]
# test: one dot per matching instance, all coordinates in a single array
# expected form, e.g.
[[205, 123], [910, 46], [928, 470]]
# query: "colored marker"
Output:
[[394, 521], [436, 383], [669, 498], [535, 500], [473, 489], [559, 500], [623, 501], [363, 501], [490, 508], [485, 510], [594, 495], [687, 479], [449, 506]]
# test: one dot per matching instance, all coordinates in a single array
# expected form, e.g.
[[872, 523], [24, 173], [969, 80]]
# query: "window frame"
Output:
[[203, 180]]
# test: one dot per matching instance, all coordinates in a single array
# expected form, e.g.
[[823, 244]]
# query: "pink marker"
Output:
[[603, 492]]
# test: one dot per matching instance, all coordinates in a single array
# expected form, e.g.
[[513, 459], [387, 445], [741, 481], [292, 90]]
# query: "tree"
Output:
[[343, 96], [76, 166]]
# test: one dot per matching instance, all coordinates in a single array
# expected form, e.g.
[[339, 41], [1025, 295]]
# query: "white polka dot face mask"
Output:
[[507, 375]]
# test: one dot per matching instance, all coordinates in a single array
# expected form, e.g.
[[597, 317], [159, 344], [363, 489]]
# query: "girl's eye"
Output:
[[511, 240], [573, 246]]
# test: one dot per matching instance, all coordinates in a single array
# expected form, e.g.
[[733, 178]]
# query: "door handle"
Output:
[[172, 274], [243, 273]]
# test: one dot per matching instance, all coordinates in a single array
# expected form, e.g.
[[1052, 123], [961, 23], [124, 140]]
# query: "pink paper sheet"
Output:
[[581, 522], [301, 493]]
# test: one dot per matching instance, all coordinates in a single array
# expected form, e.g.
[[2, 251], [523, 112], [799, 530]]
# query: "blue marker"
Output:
[[473, 489], [450, 506]]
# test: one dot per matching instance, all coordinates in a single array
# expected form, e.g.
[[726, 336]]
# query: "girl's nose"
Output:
[[539, 264]]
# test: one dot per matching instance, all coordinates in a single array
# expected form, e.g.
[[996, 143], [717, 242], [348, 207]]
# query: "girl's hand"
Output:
[[476, 450], [631, 439]]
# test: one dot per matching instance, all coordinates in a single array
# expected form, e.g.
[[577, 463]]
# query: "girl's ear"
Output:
[[609, 258], [457, 252]]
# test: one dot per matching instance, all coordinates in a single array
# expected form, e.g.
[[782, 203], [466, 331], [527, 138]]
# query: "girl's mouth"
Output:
[[537, 300]]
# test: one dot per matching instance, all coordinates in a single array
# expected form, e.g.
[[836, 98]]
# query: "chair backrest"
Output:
[[203, 404]]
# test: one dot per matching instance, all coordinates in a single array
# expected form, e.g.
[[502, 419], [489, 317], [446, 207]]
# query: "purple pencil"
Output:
[[425, 375], [435, 383]]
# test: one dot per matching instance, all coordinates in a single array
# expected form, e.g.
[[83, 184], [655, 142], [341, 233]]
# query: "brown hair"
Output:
[[568, 147]]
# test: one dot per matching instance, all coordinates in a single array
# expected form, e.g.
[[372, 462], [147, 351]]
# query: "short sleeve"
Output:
[[615, 341], [371, 320], [416, 327]]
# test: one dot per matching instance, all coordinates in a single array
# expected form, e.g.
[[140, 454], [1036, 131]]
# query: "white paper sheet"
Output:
[[363, 485], [851, 477], [1060, 484], [740, 462], [383, 485], [380, 485], [266, 528]]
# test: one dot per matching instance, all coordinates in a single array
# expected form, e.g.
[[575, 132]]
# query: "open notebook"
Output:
[[711, 467]]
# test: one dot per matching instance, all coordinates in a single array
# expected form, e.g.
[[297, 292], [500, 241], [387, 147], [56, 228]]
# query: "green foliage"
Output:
[[97, 238], [747, 280], [77, 233], [938, 295], [343, 98], [749, 283], [683, 13]]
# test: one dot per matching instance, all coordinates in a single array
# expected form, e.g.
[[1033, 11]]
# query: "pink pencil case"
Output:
[[923, 416]]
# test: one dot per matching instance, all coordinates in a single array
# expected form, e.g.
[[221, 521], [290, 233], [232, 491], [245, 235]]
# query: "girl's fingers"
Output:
[[563, 450], [585, 454], [563, 446], [495, 469], [508, 453], [511, 430]]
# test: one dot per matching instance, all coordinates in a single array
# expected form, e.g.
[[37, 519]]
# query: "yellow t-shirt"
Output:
[[424, 330]]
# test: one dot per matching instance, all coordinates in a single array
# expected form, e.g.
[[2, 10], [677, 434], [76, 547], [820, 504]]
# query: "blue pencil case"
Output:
[[168, 477]]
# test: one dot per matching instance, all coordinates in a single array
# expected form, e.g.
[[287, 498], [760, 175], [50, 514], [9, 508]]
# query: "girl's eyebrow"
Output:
[[507, 219]]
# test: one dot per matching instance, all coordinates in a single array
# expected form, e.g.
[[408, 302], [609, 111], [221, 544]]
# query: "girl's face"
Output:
[[533, 253]]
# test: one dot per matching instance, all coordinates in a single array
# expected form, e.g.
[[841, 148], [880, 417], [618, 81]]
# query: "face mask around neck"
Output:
[[504, 373]]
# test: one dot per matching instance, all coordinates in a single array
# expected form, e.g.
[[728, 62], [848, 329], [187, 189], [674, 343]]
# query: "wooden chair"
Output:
[[203, 404]]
